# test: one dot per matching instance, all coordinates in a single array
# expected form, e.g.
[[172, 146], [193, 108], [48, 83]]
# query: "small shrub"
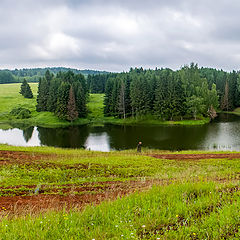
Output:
[[20, 113]]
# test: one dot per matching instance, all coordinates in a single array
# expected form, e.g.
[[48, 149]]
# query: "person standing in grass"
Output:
[[139, 147]]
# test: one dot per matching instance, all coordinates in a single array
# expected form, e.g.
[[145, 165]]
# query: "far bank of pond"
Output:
[[221, 134], [49, 120]]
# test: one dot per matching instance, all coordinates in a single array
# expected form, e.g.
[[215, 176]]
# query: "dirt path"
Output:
[[197, 156]]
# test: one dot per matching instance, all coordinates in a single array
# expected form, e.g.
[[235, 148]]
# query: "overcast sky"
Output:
[[116, 35]]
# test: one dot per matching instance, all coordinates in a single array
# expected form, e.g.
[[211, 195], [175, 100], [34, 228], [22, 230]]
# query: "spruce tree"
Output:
[[80, 97], [108, 97], [128, 107], [26, 90], [72, 113], [63, 97], [23, 87], [43, 93], [53, 95], [122, 103], [140, 96], [225, 102]]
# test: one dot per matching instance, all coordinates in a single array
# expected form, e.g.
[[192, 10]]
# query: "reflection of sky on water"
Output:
[[223, 136], [98, 142], [15, 137]]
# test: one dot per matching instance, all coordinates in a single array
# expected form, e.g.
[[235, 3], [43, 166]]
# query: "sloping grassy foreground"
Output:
[[191, 199], [182, 211]]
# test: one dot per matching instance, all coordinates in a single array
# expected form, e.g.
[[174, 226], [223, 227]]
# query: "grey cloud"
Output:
[[116, 35]]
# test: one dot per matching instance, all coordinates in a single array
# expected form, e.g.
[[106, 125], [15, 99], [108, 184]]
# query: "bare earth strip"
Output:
[[71, 196], [197, 156]]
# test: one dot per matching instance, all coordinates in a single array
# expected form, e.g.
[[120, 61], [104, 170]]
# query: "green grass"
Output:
[[236, 111], [200, 201], [151, 121], [184, 211], [10, 98]]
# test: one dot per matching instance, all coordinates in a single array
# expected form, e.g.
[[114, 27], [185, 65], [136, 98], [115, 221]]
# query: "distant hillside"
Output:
[[33, 74]]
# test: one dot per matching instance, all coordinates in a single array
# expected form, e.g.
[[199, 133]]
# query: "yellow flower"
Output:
[[177, 216]]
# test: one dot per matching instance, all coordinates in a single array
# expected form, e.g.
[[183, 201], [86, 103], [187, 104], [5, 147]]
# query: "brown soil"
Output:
[[197, 156], [11, 157], [72, 196]]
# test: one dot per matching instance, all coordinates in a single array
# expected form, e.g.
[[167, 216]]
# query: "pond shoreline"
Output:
[[220, 134], [8, 124]]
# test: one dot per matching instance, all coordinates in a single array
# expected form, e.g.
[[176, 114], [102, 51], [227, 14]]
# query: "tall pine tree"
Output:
[[72, 113]]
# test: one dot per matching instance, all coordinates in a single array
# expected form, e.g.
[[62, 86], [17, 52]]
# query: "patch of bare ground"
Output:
[[197, 156], [68, 196], [13, 157]]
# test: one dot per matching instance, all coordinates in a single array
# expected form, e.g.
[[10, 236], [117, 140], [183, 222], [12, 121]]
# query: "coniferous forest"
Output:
[[164, 94], [64, 94], [172, 95]]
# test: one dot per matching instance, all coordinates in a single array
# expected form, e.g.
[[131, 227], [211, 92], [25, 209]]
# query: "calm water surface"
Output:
[[222, 134]]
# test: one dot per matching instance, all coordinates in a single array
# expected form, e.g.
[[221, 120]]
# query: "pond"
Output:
[[221, 134]]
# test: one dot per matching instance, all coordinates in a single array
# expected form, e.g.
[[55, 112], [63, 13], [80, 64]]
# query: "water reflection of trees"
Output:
[[27, 133], [159, 137], [126, 137], [71, 137]]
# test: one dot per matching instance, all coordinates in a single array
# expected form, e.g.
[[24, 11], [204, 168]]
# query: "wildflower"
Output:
[[131, 233], [158, 238], [41, 222], [194, 234], [143, 226], [116, 225], [177, 216]]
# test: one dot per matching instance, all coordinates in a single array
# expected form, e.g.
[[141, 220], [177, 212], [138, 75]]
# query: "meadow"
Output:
[[10, 98], [53, 193]]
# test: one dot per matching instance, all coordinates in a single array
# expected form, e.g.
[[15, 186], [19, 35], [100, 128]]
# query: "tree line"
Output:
[[190, 92], [171, 95], [33, 74], [97, 82], [64, 94]]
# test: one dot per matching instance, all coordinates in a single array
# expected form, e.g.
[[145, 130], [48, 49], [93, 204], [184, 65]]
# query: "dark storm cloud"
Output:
[[116, 35]]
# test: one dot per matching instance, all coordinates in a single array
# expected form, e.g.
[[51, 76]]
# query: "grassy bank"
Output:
[[10, 98], [149, 120], [184, 199], [235, 111]]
